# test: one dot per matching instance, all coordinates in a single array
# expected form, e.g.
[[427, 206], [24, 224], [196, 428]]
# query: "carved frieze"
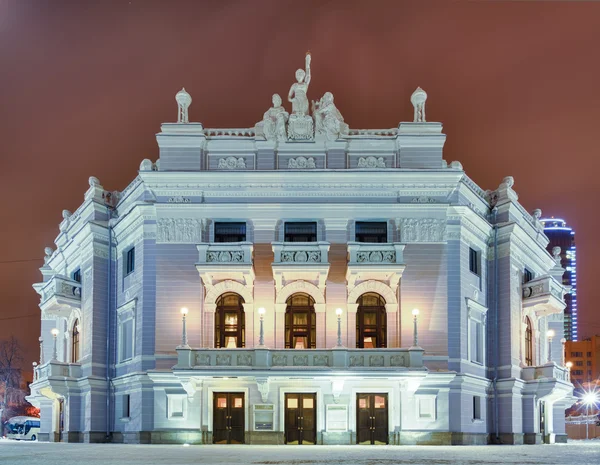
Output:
[[224, 360], [279, 360], [300, 360], [422, 230], [371, 162], [301, 163], [320, 360], [181, 230], [232, 163], [398, 361], [225, 256], [202, 360], [244, 360], [357, 360], [376, 360]]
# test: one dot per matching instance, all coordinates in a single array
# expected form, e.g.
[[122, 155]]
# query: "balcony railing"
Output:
[[226, 253], [545, 372], [296, 359], [300, 253], [375, 254], [56, 369], [544, 293], [59, 295]]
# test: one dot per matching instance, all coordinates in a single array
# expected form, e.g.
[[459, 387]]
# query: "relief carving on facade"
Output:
[[300, 360], [357, 360], [376, 256], [398, 361], [376, 360], [180, 230], [301, 163], [244, 360], [202, 360], [225, 256], [321, 360], [371, 162], [279, 360], [422, 230], [301, 256], [232, 163], [224, 360]]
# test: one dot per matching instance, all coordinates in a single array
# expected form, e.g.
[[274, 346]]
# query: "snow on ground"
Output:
[[34, 453]]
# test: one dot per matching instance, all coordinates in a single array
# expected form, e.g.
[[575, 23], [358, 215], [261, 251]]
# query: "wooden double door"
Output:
[[372, 419], [301, 418], [228, 418]]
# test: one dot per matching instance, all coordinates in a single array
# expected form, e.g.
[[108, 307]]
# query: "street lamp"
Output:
[[415, 313], [184, 311], [569, 365], [261, 334], [41, 339], [54, 332], [338, 312], [550, 334], [589, 398]]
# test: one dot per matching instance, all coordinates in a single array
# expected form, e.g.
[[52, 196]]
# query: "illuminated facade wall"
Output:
[[275, 242], [563, 236]]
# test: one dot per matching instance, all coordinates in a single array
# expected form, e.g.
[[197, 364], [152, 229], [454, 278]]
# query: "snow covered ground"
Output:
[[576, 452]]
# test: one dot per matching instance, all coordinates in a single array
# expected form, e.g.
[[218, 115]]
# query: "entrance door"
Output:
[[371, 418], [542, 413], [300, 418], [61, 418], [228, 418]]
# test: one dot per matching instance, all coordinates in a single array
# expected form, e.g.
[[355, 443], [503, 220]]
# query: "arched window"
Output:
[[230, 328], [371, 322], [528, 343], [75, 342], [300, 322]]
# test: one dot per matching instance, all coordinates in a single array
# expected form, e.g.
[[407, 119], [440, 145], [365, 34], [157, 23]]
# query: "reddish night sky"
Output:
[[85, 85]]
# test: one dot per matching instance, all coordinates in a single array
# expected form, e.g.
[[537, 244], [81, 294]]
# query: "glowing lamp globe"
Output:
[[54, 332], [338, 311], [415, 311], [184, 311], [550, 333], [262, 311]]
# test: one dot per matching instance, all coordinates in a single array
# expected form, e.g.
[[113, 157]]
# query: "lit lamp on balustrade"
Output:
[[54, 332], [184, 343], [569, 365], [338, 312], [550, 334], [415, 314], [261, 334]]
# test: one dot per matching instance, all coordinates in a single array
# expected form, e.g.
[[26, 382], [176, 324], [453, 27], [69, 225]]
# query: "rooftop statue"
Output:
[[300, 125], [418, 99], [184, 100], [297, 93], [328, 119], [273, 124]]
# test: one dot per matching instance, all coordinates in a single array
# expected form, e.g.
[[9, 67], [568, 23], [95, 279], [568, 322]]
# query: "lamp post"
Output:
[[261, 334], [569, 365], [338, 312], [184, 312], [54, 332], [550, 335], [415, 313], [589, 398]]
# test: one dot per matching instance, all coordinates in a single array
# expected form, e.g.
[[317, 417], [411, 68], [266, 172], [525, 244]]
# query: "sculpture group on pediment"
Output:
[[422, 230], [232, 163], [272, 127], [328, 119], [182, 230]]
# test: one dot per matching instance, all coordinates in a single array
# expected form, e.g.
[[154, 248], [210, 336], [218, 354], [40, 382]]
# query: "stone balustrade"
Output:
[[225, 253], [545, 294], [300, 253], [56, 369], [296, 359], [59, 295], [544, 372]]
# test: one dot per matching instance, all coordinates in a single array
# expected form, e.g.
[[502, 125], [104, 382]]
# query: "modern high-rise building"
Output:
[[563, 236]]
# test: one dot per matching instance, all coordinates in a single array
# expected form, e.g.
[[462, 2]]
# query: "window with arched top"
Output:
[[75, 342], [528, 342], [300, 319], [371, 322], [230, 328]]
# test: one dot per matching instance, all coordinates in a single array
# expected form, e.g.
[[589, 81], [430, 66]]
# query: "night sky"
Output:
[[84, 87]]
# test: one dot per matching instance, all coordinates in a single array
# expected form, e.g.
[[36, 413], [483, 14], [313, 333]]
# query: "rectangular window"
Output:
[[230, 232], [126, 406], [126, 340], [588, 354], [579, 363], [300, 232], [476, 341], [474, 261], [371, 231], [476, 408], [589, 363], [77, 275], [130, 261], [527, 276], [576, 354], [578, 372]]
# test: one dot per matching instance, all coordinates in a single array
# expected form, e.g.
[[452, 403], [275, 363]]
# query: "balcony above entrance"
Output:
[[212, 360], [544, 295], [59, 296], [378, 262], [300, 261], [227, 260]]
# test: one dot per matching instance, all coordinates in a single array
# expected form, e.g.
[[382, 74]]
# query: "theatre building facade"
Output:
[[301, 282]]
